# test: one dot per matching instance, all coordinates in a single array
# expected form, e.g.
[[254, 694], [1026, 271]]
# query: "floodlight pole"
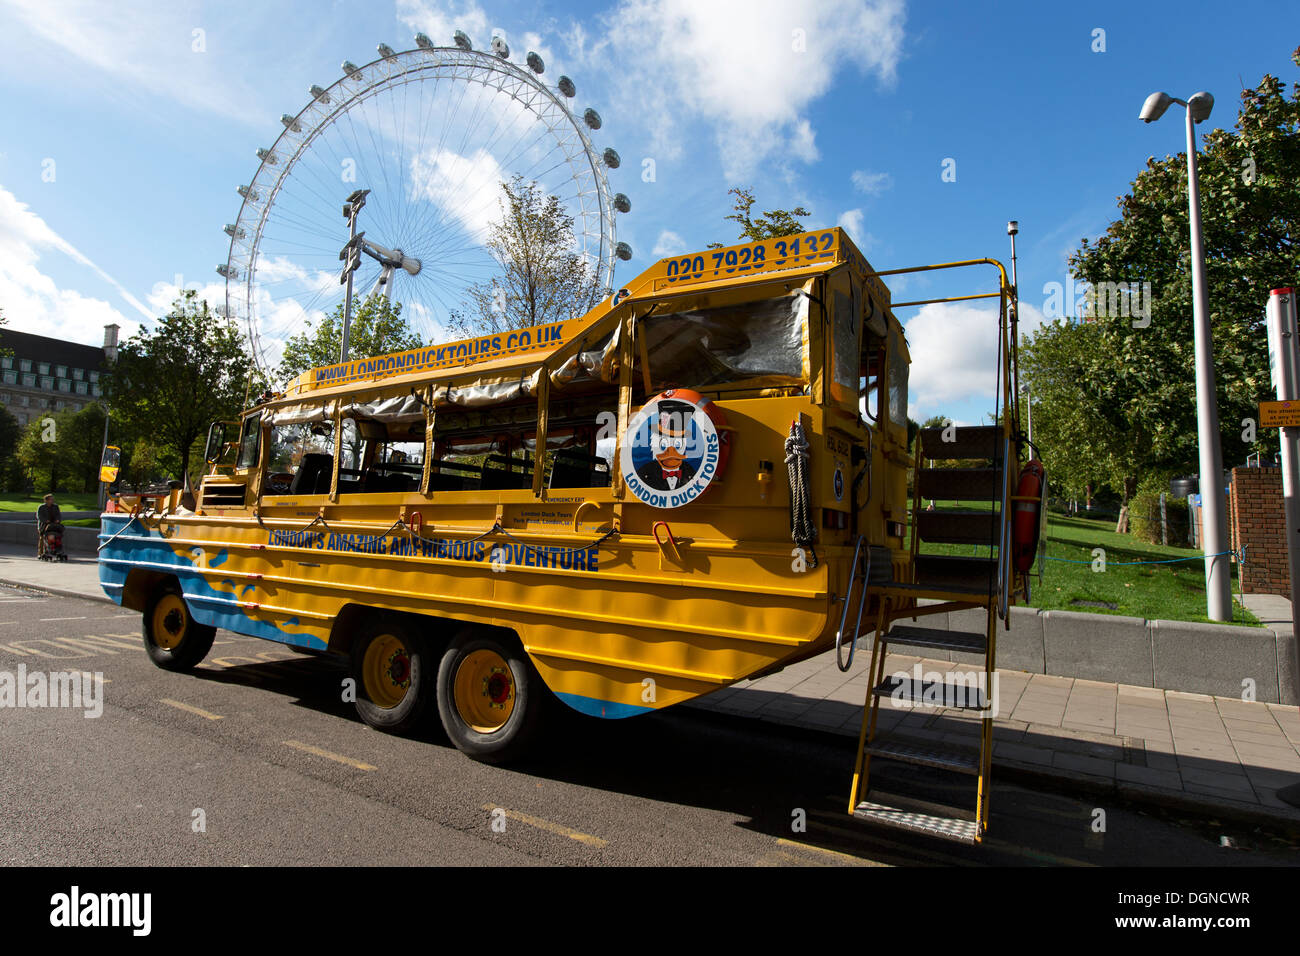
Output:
[[1218, 580]]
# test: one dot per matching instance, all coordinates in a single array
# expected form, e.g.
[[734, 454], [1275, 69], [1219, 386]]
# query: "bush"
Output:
[[1144, 513]]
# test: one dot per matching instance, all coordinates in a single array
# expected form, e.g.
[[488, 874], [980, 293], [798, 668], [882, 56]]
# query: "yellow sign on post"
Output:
[[1279, 414]]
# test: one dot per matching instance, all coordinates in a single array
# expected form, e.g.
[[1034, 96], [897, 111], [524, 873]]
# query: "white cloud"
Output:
[[954, 350], [873, 184], [669, 244], [851, 222], [750, 68], [164, 49], [32, 301], [440, 21], [469, 187]]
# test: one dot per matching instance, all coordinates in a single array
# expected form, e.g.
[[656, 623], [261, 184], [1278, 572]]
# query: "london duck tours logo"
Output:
[[675, 447]]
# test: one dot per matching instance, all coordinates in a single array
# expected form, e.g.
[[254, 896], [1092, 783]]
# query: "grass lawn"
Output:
[[1171, 592], [65, 500]]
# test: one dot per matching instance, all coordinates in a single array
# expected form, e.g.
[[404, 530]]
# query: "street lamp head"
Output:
[[1200, 104], [1155, 107], [1013, 227]]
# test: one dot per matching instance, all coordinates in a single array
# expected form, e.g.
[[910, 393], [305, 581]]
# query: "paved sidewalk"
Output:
[[1214, 754]]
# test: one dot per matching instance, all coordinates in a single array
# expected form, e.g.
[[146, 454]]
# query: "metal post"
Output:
[[347, 308], [103, 488], [1218, 583], [1286, 379]]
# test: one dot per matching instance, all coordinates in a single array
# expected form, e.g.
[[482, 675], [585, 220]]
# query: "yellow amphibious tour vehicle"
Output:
[[702, 480]]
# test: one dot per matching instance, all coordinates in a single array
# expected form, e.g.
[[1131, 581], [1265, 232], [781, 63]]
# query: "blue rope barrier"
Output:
[[1126, 564]]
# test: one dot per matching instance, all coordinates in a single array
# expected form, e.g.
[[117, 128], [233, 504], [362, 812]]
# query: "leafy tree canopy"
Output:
[[1115, 397], [171, 382], [377, 328], [542, 278], [769, 225]]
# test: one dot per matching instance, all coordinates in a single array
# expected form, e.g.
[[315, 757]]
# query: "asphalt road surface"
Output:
[[254, 758]]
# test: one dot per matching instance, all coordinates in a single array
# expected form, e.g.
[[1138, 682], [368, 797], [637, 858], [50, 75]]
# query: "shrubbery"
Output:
[[1144, 513]]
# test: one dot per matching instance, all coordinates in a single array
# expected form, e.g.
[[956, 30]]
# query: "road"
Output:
[[259, 748]]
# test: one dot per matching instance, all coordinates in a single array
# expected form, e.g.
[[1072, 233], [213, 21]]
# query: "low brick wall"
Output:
[[1258, 522]]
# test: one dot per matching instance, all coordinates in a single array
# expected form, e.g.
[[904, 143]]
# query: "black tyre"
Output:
[[394, 675], [490, 697], [172, 638]]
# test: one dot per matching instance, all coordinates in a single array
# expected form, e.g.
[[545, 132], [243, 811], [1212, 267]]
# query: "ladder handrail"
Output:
[[842, 664], [1004, 559]]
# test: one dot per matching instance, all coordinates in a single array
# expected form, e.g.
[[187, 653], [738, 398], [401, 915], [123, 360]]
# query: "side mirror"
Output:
[[216, 442]]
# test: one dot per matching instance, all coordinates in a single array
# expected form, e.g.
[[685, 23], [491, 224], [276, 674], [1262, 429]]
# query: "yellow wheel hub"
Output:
[[484, 691], [169, 620], [386, 670]]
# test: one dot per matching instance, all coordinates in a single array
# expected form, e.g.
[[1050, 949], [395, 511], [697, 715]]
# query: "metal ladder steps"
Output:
[[918, 636], [951, 694], [981, 441], [926, 755], [947, 828], [958, 527], [941, 571], [960, 484]]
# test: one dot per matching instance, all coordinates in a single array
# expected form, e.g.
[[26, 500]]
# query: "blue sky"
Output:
[[127, 128]]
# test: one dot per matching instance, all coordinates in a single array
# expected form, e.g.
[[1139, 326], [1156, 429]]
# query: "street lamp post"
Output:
[[1218, 585]]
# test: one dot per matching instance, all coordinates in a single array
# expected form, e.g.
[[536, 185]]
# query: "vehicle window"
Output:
[[301, 459], [898, 366], [249, 441], [726, 344]]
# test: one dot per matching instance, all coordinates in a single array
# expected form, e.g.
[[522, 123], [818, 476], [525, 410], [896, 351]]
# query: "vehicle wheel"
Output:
[[173, 639], [490, 697], [394, 676]]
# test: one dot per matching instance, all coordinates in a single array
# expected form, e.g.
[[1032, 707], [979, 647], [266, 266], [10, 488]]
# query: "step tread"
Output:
[[919, 636], [960, 484], [926, 755], [958, 526], [951, 694], [971, 441], [948, 828]]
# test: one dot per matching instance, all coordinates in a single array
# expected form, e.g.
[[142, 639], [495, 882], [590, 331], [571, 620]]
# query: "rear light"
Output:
[[894, 529], [835, 520]]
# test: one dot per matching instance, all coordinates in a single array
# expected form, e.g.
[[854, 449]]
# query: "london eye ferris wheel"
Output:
[[431, 133]]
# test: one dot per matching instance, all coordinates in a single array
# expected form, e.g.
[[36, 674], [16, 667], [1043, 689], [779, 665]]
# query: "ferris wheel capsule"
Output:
[[622, 203], [423, 42], [591, 118], [566, 87], [611, 158], [500, 47], [386, 51], [623, 251], [535, 63], [463, 41]]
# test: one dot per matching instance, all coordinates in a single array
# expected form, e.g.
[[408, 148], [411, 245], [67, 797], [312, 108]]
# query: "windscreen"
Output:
[[729, 343]]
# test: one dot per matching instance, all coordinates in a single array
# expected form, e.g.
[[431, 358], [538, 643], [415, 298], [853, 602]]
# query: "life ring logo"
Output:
[[674, 449]]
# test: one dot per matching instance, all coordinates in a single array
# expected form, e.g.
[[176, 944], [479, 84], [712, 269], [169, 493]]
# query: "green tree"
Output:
[[171, 382], [4, 353], [770, 225], [80, 446], [377, 329], [37, 451], [10, 467], [541, 278], [1115, 397]]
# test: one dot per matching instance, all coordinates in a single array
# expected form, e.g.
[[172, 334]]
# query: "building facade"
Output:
[[46, 376]]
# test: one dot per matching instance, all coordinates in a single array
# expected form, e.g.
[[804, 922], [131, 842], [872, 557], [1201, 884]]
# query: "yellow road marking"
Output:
[[308, 748], [548, 826], [188, 709], [834, 854]]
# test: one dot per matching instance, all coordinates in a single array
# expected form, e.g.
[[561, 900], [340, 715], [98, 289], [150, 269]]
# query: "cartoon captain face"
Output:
[[669, 443]]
